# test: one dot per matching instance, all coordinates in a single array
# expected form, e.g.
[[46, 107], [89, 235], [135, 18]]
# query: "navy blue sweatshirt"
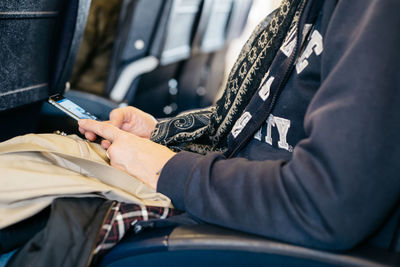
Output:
[[324, 170]]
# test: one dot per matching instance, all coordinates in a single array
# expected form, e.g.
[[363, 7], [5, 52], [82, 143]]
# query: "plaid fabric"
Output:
[[122, 218]]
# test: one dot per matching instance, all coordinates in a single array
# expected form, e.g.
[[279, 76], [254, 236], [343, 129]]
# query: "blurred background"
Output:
[[259, 10], [162, 56]]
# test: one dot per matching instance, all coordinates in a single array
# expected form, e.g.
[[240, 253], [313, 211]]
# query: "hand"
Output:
[[138, 156], [128, 119]]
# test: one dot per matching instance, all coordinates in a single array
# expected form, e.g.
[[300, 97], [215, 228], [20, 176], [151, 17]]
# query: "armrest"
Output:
[[206, 245]]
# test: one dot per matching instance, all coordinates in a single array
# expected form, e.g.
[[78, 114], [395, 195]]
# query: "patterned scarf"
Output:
[[206, 130]]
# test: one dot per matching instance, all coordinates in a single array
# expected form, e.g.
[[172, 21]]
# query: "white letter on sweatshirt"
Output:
[[240, 124], [264, 92], [314, 45], [270, 123], [283, 126]]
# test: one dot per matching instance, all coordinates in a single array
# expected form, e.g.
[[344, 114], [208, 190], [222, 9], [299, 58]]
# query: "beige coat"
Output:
[[37, 168]]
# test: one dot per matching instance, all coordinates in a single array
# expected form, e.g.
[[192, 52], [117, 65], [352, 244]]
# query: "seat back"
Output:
[[194, 82], [38, 43], [138, 20], [151, 33], [165, 46], [238, 18], [212, 29], [174, 44]]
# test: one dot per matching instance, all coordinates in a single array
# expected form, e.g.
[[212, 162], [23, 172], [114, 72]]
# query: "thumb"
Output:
[[117, 117]]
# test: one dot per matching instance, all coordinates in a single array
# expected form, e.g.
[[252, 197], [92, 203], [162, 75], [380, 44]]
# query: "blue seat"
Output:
[[207, 245]]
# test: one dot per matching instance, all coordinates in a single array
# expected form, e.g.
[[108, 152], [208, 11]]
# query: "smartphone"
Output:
[[70, 108]]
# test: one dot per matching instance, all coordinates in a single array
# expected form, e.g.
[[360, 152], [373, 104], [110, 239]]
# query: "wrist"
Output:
[[154, 172], [152, 122]]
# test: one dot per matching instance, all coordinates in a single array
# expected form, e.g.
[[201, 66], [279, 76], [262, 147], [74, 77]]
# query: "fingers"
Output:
[[105, 144], [81, 130], [93, 128], [90, 136]]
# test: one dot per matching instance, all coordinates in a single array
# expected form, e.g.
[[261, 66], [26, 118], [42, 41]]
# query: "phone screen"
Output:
[[77, 110], [71, 108]]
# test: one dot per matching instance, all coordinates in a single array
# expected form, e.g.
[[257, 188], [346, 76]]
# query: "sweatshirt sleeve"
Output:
[[342, 181]]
